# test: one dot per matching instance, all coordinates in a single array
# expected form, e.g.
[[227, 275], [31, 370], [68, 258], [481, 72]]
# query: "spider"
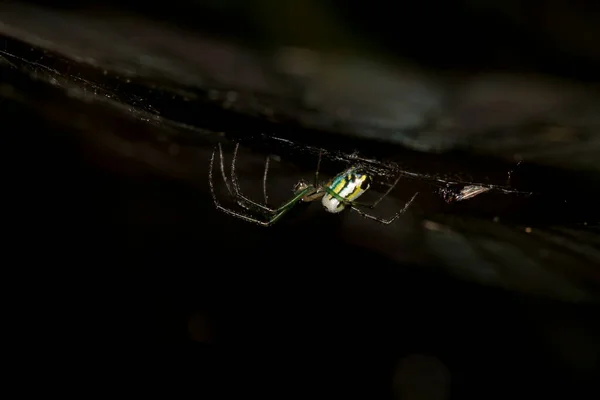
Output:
[[336, 195]]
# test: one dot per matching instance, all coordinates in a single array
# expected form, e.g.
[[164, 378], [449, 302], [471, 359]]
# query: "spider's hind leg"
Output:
[[354, 206], [383, 196], [385, 221]]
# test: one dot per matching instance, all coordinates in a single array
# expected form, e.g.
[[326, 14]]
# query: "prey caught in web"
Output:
[[449, 188]]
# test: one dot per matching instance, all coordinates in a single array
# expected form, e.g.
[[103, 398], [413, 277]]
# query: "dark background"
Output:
[[139, 282]]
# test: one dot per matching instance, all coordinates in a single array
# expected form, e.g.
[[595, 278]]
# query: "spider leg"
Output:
[[385, 221], [221, 158], [373, 205], [226, 210], [239, 200], [281, 211], [265, 180], [236, 187], [317, 170]]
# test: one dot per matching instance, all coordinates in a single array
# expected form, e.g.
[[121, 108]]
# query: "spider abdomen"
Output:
[[344, 188]]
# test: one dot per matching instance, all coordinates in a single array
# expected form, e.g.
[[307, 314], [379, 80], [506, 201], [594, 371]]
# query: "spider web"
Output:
[[86, 82], [189, 109]]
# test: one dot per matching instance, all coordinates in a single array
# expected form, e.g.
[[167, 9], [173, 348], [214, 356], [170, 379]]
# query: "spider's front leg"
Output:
[[242, 216], [234, 192], [236, 187], [270, 219], [224, 176]]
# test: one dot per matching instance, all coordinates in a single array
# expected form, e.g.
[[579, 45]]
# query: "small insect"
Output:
[[467, 192], [336, 195]]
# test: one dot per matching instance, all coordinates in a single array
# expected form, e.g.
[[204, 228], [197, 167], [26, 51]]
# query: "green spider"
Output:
[[336, 195]]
